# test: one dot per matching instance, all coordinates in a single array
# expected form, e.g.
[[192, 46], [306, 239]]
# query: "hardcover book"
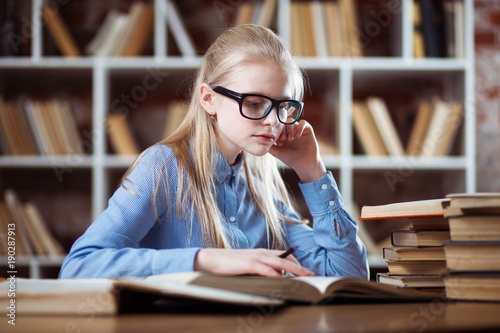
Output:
[[417, 267], [406, 209], [477, 286], [417, 238], [472, 255], [411, 281], [414, 253], [480, 203], [475, 227]]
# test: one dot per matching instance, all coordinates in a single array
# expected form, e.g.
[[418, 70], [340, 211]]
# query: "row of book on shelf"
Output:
[[50, 127], [318, 28], [121, 34], [331, 28], [324, 29], [126, 34], [33, 127], [24, 223], [434, 131], [449, 245]]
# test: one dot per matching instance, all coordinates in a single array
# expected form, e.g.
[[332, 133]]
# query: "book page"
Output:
[[274, 287], [319, 282], [178, 278], [178, 288]]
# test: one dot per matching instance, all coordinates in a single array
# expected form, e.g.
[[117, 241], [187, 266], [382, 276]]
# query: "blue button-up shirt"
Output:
[[131, 238]]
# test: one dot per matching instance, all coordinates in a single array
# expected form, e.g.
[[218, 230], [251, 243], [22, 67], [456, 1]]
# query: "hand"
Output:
[[247, 261], [297, 147]]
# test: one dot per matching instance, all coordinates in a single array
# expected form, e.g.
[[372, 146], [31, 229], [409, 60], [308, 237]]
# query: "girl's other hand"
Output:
[[297, 147]]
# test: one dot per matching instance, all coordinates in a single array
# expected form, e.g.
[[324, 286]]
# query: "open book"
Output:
[[310, 289], [108, 297]]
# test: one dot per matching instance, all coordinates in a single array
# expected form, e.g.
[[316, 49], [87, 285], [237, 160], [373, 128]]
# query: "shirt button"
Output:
[[232, 219], [331, 203], [324, 187]]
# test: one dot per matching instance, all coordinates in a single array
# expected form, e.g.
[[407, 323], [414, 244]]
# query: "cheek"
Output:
[[231, 123], [228, 110], [229, 117]]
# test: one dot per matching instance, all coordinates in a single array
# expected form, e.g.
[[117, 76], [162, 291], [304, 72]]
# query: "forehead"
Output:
[[264, 78]]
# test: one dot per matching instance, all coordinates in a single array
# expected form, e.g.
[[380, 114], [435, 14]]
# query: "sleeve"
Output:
[[111, 247], [331, 247]]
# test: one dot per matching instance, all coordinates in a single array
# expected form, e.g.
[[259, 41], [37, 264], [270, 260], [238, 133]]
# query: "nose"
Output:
[[272, 117]]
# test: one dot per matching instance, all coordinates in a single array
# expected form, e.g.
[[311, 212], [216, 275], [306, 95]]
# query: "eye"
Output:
[[254, 102]]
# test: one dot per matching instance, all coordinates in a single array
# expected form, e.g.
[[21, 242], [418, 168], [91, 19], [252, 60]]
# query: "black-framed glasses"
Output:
[[255, 107]]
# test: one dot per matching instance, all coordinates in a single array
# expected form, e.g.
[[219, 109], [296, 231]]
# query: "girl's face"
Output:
[[236, 133]]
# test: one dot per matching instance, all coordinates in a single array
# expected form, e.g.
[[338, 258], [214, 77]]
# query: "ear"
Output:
[[207, 100]]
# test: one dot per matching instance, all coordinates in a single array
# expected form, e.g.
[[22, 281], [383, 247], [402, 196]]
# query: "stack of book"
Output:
[[416, 256], [473, 252]]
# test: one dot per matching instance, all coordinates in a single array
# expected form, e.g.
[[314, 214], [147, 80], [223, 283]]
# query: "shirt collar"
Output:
[[223, 171]]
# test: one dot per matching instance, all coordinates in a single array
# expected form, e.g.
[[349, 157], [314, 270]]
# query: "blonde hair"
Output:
[[195, 139]]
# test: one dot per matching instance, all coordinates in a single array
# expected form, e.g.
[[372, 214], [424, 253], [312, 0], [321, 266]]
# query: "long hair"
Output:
[[195, 140]]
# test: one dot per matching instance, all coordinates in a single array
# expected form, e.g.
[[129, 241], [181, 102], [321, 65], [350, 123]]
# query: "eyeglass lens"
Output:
[[257, 106]]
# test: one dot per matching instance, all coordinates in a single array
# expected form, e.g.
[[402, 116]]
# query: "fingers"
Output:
[[295, 130], [268, 263], [288, 264], [291, 132]]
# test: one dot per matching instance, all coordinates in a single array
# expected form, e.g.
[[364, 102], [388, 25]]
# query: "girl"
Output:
[[210, 197]]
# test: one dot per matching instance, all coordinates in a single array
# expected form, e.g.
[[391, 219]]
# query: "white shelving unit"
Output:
[[345, 73]]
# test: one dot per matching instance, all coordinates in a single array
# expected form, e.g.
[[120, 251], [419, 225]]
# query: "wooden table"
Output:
[[404, 317]]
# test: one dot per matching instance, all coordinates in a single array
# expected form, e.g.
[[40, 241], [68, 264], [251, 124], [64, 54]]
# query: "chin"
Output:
[[257, 152]]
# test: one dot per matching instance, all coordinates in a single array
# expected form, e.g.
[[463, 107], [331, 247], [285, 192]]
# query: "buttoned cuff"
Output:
[[322, 196]]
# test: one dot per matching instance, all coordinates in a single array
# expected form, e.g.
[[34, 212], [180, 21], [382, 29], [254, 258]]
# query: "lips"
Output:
[[266, 137]]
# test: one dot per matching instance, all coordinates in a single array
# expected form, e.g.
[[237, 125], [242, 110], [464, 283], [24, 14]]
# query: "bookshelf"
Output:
[[72, 190]]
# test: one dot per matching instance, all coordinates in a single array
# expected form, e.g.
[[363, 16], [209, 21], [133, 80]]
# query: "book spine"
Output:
[[60, 32]]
